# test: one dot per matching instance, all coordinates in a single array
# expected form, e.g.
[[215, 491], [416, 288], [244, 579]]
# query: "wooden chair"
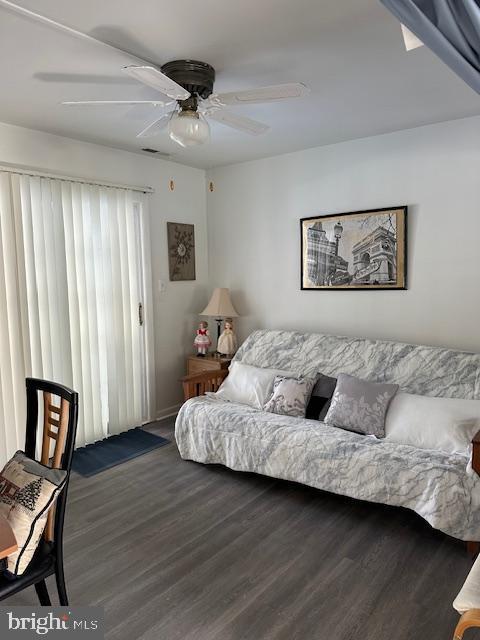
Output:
[[467, 603], [59, 426]]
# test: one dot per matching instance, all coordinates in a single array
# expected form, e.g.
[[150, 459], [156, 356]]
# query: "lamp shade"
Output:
[[220, 305]]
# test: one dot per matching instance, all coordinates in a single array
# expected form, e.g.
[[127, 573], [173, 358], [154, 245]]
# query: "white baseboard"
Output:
[[168, 412]]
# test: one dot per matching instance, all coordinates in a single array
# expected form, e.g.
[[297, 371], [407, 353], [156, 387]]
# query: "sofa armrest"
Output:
[[199, 383], [476, 453]]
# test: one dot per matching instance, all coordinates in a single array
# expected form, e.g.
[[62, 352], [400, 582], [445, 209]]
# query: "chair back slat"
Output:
[[59, 427], [60, 423], [53, 409]]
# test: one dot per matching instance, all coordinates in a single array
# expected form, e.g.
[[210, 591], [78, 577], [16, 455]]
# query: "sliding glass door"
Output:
[[76, 267]]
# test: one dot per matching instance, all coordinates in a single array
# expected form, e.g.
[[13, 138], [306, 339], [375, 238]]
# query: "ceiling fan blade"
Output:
[[154, 78], [38, 17], [110, 103], [263, 94], [155, 127], [84, 78], [247, 125]]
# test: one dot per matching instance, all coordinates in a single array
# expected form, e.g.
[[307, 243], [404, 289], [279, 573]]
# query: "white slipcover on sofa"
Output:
[[442, 488]]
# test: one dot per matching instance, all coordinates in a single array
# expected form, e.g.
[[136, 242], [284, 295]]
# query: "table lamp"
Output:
[[219, 307]]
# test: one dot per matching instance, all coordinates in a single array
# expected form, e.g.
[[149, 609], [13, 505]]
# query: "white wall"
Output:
[[253, 225], [254, 242], [175, 309]]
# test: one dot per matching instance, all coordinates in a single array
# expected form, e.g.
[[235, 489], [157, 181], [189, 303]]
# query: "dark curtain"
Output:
[[450, 28]]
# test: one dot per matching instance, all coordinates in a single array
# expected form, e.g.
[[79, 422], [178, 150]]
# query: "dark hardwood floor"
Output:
[[181, 551]]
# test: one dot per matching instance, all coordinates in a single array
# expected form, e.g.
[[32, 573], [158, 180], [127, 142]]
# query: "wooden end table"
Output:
[[208, 363]]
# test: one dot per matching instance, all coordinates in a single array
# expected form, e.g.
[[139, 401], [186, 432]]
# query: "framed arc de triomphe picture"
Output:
[[355, 250]]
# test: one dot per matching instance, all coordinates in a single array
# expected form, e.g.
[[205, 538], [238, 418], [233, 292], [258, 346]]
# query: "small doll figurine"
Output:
[[202, 340], [227, 343]]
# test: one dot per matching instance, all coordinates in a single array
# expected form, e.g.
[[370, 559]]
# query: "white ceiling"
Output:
[[349, 52]]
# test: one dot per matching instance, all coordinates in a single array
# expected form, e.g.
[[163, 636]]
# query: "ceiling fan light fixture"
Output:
[[188, 128]]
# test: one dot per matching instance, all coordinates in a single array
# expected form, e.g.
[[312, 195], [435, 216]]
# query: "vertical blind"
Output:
[[72, 267]]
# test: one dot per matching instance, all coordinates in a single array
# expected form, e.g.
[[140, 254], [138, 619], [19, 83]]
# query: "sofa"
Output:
[[442, 488]]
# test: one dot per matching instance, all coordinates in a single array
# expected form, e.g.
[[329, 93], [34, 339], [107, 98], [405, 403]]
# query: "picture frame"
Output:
[[181, 251], [356, 250]]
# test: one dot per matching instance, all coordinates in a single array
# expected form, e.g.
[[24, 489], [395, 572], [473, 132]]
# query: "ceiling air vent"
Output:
[[150, 150]]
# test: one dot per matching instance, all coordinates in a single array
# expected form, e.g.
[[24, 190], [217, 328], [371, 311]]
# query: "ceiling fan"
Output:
[[189, 85]]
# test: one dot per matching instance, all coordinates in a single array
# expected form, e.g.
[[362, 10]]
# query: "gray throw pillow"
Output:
[[290, 396], [360, 405]]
